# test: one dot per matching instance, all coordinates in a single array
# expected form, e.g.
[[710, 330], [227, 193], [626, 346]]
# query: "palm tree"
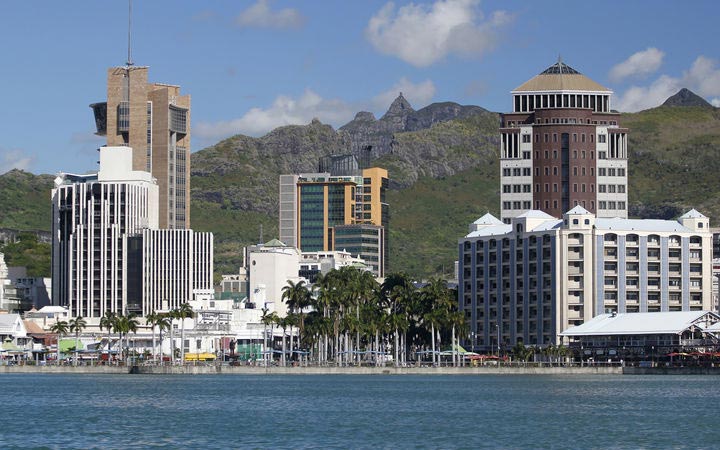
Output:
[[297, 297], [152, 320], [184, 312], [124, 325], [267, 318], [164, 323], [107, 321], [77, 325], [60, 328]]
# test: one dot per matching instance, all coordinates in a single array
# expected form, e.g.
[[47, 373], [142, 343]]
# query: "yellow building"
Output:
[[313, 205]]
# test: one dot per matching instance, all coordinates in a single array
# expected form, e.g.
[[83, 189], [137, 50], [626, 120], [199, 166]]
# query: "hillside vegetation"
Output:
[[444, 169]]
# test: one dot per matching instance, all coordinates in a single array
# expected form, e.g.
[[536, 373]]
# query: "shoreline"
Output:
[[255, 370]]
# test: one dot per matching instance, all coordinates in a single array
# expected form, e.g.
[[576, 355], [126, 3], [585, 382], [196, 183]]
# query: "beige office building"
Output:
[[153, 119]]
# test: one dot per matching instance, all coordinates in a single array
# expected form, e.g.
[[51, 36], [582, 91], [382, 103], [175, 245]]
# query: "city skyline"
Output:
[[281, 62]]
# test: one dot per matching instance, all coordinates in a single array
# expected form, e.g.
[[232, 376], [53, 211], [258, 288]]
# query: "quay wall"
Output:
[[671, 370], [65, 369], [255, 370]]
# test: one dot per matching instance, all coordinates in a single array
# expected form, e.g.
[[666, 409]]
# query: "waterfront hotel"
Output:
[[562, 146], [533, 278], [107, 251]]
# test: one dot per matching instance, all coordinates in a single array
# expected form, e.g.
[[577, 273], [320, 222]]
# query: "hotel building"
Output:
[[537, 276], [154, 120], [561, 147], [107, 251]]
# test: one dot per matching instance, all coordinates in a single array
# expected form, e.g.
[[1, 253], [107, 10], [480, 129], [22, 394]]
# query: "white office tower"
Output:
[[98, 225]]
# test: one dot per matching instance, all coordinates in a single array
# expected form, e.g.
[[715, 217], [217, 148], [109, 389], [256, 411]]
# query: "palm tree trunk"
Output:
[[75, 363], [172, 344], [377, 348], [433, 343], [291, 344], [397, 353], [182, 341], [154, 347]]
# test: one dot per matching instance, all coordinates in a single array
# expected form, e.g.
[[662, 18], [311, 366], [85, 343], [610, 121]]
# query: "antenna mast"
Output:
[[129, 56]]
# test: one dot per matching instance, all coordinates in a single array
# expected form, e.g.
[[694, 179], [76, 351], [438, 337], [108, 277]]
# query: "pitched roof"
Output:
[[561, 77], [492, 230], [578, 211], [275, 243], [536, 214], [488, 219], [641, 323], [693, 214], [649, 225]]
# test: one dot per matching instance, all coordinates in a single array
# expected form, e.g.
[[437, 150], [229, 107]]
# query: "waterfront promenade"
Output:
[[313, 370], [212, 369]]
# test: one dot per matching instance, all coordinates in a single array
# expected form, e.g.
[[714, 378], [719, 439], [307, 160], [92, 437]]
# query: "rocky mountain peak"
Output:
[[365, 116], [686, 97], [399, 107]]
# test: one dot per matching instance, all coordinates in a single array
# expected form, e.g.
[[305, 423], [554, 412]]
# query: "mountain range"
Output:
[[444, 171]]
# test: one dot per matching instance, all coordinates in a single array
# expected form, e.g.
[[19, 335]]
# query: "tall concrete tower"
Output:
[[561, 147], [153, 119]]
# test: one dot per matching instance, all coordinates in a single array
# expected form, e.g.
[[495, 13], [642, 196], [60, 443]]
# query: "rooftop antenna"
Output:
[[129, 56]]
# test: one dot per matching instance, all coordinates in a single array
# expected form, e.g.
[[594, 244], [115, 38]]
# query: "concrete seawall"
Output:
[[671, 371], [64, 369], [254, 370]]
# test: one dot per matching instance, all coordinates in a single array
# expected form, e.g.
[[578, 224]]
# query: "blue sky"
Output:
[[253, 65]]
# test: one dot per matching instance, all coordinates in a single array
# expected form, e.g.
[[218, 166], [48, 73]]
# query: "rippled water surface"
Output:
[[335, 411]]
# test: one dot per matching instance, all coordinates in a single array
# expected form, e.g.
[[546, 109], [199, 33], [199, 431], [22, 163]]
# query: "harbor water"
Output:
[[350, 411]]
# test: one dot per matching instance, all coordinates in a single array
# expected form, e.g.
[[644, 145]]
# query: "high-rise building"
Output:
[[314, 206], [107, 251], [154, 120], [561, 147]]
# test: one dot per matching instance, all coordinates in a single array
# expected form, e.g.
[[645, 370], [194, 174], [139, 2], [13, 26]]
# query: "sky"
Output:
[[253, 65]]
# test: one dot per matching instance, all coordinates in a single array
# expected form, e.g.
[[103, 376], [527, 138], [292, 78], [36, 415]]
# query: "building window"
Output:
[[602, 138], [601, 172], [526, 138], [526, 171], [506, 172], [506, 188], [555, 187]]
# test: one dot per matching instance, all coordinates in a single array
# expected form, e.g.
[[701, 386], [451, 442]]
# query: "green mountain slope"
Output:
[[443, 176]]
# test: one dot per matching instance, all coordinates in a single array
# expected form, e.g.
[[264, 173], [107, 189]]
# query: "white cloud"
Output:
[[260, 15], [287, 110], [14, 159], [639, 65], [418, 94], [422, 35], [715, 102], [703, 78]]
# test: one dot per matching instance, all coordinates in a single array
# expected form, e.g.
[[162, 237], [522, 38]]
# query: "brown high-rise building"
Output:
[[562, 146], [153, 119]]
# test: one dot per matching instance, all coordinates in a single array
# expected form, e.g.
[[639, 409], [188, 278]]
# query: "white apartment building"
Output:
[[107, 251], [534, 278]]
